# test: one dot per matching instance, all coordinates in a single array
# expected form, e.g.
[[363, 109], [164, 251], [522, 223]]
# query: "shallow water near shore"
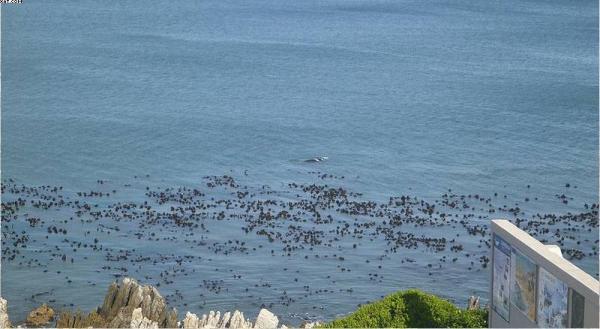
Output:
[[404, 98]]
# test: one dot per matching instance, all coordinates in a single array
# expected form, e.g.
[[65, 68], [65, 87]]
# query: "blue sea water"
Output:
[[402, 96]]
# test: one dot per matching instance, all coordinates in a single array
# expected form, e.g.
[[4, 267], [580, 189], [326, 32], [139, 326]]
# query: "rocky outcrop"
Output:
[[473, 303], [213, 320], [310, 325], [4, 322], [80, 320], [138, 320], [122, 300], [131, 305], [40, 317], [237, 321], [119, 305], [266, 320]]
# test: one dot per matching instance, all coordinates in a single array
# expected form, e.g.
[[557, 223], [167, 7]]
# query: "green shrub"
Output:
[[411, 309]]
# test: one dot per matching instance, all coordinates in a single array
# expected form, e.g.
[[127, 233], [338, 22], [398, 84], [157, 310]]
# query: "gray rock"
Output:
[[171, 320], [120, 303], [473, 303], [190, 321], [237, 321], [214, 320], [139, 321], [266, 320], [4, 322], [310, 325], [109, 299], [40, 317], [224, 320], [121, 320]]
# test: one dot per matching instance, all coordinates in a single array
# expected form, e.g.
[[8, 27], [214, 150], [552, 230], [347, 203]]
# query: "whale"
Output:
[[317, 159]]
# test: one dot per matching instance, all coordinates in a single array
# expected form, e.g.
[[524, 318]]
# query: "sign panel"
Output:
[[524, 282], [577, 308], [552, 301], [501, 278]]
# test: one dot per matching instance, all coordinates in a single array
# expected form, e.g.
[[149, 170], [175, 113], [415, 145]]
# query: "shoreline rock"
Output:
[[213, 320], [138, 320], [266, 320], [130, 305], [40, 316], [4, 321], [310, 325], [126, 305]]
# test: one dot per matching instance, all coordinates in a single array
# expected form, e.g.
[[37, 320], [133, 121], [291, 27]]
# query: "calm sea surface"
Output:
[[403, 97]]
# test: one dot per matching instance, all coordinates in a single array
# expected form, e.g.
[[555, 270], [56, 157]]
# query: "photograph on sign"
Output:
[[523, 277], [552, 301], [501, 278]]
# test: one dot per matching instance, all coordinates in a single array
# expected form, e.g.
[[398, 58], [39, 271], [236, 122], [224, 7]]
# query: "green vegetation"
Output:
[[412, 309]]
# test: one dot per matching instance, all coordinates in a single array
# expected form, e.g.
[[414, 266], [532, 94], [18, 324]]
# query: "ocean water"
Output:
[[403, 97]]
